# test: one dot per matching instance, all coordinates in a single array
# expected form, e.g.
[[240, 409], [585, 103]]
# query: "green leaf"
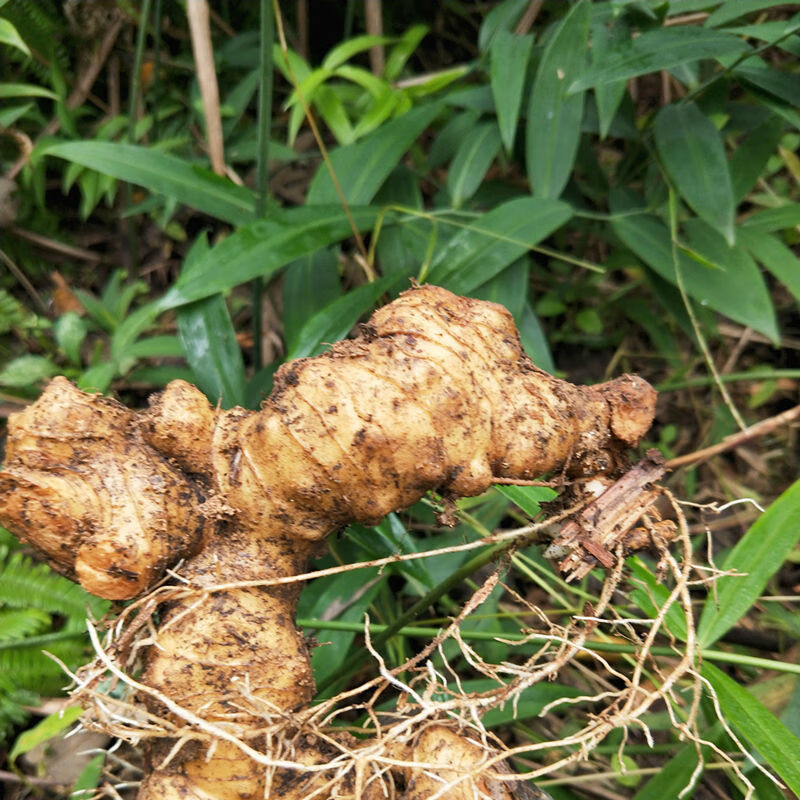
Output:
[[608, 95], [89, 779], [733, 9], [450, 137], [693, 155], [472, 160], [10, 36], [736, 290], [740, 267], [773, 740], [782, 85], [49, 727], [27, 370], [503, 17], [261, 248], [70, 330], [774, 219], [362, 167], [25, 90], [528, 498], [554, 117], [534, 341], [309, 285], [750, 158], [489, 244], [399, 54], [775, 256], [509, 64], [650, 596], [336, 320], [195, 186], [757, 556], [672, 779], [209, 340], [350, 47], [657, 50]]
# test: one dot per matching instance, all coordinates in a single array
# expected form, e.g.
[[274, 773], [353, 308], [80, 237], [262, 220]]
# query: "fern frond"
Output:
[[19, 623], [12, 702], [30, 669], [25, 584], [14, 315]]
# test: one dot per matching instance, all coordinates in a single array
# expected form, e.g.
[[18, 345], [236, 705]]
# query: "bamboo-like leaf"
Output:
[[209, 340], [747, 163], [362, 167], [672, 779], [756, 557], [335, 321], [608, 95], [188, 183], [693, 155], [775, 256], [736, 289], [309, 285], [733, 9], [263, 247], [774, 219], [9, 35], [471, 162], [659, 49], [50, 726], [773, 740], [487, 246], [509, 63], [554, 117]]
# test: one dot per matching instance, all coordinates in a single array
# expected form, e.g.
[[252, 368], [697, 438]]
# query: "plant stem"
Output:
[[384, 631]]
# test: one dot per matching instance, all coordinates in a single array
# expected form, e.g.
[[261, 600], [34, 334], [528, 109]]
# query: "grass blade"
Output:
[[775, 256], [773, 740], [693, 155], [757, 556], [554, 117], [188, 183]]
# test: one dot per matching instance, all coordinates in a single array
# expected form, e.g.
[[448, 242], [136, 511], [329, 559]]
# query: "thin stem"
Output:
[[720, 656]]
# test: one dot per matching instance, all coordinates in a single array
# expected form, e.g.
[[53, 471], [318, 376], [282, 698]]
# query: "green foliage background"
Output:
[[621, 175]]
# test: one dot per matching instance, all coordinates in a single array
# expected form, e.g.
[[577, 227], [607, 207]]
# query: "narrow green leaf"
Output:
[[450, 137], [650, 596], [309, 285], [748, 161], [673, 778], [554, 117], [263, 247], [775, 256], [89, 779], [608, 95], [350, 47], [472, 160], [26, 370], [528, 498], [774, 219], [733, 9], [50, 726], [400, 53], [10, 35], [782, 85], [719, 289], [155, 347], [736, 262], [509, 288], [508, 66], [195, 186], [209, 342], [362, 167], [663, 48], [773, 740], [336, 320], [757, 556], [489, 244], [693, 155], [25, 90], [534, 341]]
